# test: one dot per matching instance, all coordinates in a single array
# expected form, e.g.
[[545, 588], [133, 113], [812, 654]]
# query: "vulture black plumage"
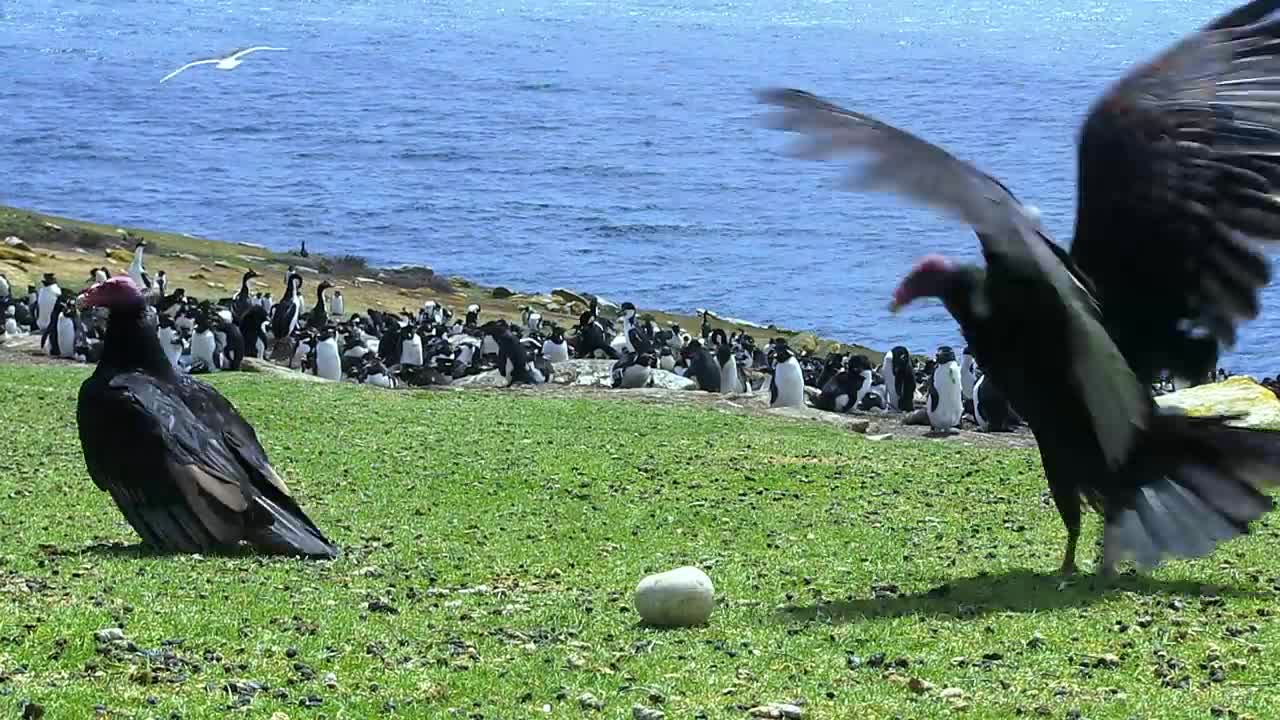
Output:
[[1180, 159], [180, 462]]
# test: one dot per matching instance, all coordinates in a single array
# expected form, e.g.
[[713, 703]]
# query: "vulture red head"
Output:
[[927, 279], [119, 291]]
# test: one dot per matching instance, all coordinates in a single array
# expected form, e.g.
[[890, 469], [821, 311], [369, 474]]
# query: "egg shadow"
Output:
[[1019, 591]]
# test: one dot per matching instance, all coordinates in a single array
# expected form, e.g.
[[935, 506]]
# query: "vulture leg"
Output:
[[1067, 498]]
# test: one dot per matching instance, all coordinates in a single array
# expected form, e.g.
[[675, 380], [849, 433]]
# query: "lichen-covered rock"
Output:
[[1237, 395], [252, 364], [501, 292]]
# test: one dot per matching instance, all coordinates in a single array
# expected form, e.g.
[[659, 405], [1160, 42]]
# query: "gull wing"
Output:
[[191, 64]]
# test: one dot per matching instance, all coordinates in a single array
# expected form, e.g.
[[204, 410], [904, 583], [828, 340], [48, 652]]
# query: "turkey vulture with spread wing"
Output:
[[180, 462], [1181, 160]]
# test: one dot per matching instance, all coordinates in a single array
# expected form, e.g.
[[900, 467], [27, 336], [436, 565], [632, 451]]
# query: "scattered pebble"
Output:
[[109, 635], [587, 701], [777, 710], [919, 686], [640, 712]]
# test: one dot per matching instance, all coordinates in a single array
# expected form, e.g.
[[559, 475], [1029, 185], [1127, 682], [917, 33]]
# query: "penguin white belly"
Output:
[[729, 377], [968, 377], [260, 348], [890, 386], [11, 327], [488, 346], [381, 380], [983, 423], [636, 376], [556, 352], [44, 307], [171, 345], [620, 344], [788, 384], [842, 403], [863, 389], [411, 351], [338, 306], [300, 354], [202, 349], [945, 406], [66, 337], [465, 355], [328, 363], [667, 362]]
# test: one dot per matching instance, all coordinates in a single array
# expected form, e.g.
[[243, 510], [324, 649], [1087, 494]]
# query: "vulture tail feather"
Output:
[[1203, 482], [290, 533]]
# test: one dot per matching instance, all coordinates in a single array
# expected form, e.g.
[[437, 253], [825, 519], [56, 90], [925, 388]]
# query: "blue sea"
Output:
[[608, 146]]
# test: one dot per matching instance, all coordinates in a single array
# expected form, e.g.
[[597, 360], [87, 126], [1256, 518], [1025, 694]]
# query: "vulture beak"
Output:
[[894, 306]]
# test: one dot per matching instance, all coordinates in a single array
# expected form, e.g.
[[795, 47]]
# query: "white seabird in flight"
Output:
[[229, 62]]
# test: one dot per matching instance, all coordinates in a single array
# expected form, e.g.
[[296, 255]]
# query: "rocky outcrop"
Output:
[[591, 373], [1240, 395]]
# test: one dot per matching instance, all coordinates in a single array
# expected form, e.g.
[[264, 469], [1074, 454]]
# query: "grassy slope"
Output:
[[71, 248], [558, 507]]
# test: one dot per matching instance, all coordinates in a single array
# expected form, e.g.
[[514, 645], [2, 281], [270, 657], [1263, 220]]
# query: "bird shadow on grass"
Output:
[[139, 551], [1013, 591]]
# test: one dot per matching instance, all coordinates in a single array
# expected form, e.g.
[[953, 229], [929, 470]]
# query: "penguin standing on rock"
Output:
[[203, 347], [555, 347], [137, 272], [702, 367], [945, 403], [328, 362], [730, 379], [513, 360], [786, 388], [666, 360], [338, 306], [46, 296], [635, 370]]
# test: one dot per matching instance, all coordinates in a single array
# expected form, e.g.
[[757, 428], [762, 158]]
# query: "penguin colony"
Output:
[[1195, 180], [436, 346]]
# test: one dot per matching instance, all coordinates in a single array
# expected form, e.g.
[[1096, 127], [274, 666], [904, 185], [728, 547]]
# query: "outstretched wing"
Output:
[[245, 51], [1179, 170], [170, 76], [1018, 253]]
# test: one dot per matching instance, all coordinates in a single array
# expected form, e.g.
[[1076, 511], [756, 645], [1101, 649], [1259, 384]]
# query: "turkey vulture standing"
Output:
[[182, 465], [1180, 159]]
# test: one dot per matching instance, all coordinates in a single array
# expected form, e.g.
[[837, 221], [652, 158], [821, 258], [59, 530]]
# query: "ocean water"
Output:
[[609, 146]]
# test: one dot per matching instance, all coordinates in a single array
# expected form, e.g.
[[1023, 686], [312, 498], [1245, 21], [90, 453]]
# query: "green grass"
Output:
[[508, 534]]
